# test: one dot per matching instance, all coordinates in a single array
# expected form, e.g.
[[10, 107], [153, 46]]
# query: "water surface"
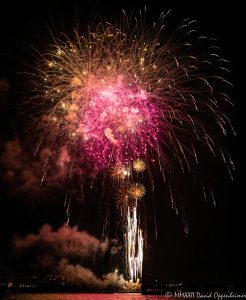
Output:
[[120, 296]]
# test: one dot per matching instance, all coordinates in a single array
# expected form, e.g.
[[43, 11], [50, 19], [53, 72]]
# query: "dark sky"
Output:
[[213, 252]]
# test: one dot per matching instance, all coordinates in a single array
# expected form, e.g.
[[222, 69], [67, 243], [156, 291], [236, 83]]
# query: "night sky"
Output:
[[213, 252]]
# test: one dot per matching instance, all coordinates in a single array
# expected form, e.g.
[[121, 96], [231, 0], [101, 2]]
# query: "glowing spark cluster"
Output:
[[120, 172], [139, 165], [137, 191], [118, 125]]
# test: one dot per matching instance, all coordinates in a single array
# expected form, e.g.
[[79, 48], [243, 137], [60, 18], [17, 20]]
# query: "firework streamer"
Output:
[[134, 245]]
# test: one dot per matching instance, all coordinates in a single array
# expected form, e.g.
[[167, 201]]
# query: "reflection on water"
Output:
[[121, 296]]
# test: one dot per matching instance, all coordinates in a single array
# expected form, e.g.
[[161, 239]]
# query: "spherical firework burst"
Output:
[[137, 191], [139, 165], [118, 93], [119, 124]]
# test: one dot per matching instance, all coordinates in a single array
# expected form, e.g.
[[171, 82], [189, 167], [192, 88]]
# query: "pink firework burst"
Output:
[[119, 124], [118, 93]]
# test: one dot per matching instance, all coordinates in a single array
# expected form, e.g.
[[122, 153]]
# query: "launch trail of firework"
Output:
[[127, 197], [134, 244]]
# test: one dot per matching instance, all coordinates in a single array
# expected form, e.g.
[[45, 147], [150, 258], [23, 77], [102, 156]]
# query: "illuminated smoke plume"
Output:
[[24, 171], [69, 254]]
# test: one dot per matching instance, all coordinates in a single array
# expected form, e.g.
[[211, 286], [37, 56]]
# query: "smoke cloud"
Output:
[[65, 242], [23, 171], [77, 274], [71, 255]]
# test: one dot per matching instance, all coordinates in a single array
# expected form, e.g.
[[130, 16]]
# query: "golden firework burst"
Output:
[[119, 172], [122, 197], [137, 191], [139, 165]]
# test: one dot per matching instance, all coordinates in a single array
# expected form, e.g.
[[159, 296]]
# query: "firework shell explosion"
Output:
[[128, 194], [127, 92], [139, 165]]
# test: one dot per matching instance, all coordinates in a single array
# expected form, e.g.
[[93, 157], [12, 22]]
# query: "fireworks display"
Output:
[[118, 94], [121, 97]]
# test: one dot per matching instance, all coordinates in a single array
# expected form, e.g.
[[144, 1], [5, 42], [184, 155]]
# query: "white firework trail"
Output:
[[134, 241]]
